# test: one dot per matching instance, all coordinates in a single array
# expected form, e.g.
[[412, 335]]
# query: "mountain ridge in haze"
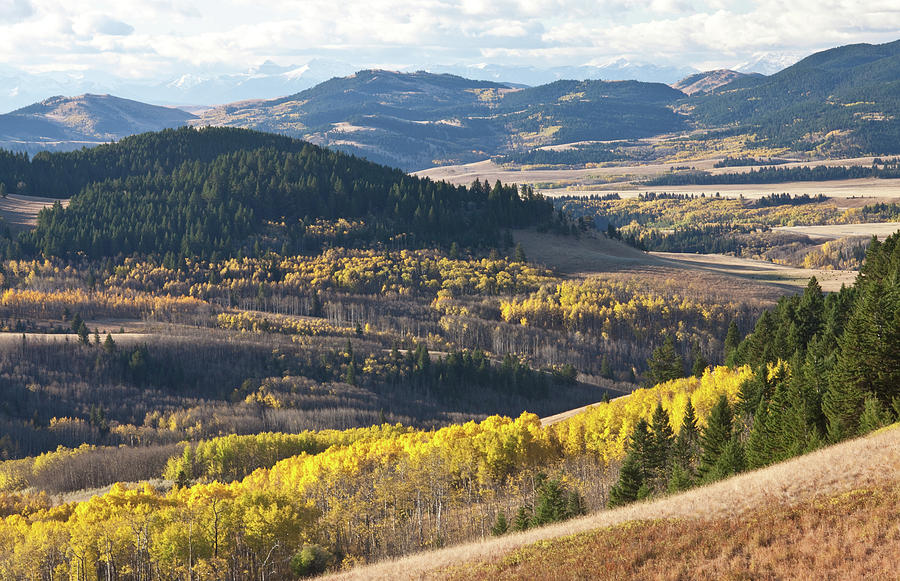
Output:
[[61, 123], [841, 101]]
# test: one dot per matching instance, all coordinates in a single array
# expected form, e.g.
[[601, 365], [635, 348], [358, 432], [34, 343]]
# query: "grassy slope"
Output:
[[728, 277], [712, 520], [850, 536]]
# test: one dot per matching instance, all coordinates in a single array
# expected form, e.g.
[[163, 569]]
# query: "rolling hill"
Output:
[[417, 120], [842, 101], [65, 123], [845, 99]]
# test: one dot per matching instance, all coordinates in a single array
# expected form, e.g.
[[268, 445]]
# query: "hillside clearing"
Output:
[[621, 177], [730, 277], [20, 212], [869, 462], [833, 231]]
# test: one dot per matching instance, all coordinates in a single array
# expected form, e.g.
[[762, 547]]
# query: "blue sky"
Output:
[[148, 40]]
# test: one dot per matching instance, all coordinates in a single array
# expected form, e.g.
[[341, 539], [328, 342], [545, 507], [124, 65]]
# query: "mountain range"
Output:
[[844, 100]]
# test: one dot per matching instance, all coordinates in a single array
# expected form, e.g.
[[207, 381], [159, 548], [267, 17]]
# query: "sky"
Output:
[[159, 40]]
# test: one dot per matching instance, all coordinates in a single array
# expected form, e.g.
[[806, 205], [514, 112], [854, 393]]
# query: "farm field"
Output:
[[871, 462], [833, 231]]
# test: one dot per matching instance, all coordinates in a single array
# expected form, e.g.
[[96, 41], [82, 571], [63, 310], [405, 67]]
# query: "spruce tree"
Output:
[[731, 461], [700, 362], [628, 486], [732, 339], [684, 450], [757, 449], [523, 518], [643, 446], [551, 503], [605, 368], [501, 526], [665, 363], [873, 416], [716, 436], [660, 453]]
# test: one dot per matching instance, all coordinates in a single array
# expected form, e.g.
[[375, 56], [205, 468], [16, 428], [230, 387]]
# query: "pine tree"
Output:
[[660, 451], [873, 416], [109, 345], [523, 518], [715, 437], [628, 486], [500, 526], [700, 362], [684, 450], [732, 338], [665, 363]]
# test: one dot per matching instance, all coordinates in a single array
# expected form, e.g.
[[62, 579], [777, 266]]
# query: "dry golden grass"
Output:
[[854, 535], [619, 178], [834, 231], [872, 462], [21, 212], [728, 278]]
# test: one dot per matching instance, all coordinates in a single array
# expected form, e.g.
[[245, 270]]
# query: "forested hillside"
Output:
[[418, 120], [825, 369], [844, 99], [219, 192]]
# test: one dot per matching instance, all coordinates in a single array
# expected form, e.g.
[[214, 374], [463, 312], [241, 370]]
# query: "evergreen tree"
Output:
[[810, 313], [109, 345], [628, 487], [873, 416], [665, 363], [520, 254], [732, 340], [757, 449], [715, 437], [84, 334], [551, 503], [605, 368], [700, 362], [500, 526], [684, 450], [731, 461], [523, 518], [660, 451]]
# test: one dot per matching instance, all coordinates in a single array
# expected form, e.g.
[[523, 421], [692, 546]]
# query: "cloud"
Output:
[[174, 37], [15, 10]]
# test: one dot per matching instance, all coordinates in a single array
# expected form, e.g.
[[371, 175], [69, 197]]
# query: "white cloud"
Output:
[[163, 39], [15, 10]]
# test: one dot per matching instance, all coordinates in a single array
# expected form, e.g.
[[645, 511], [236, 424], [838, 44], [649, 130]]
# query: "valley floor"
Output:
[[730, 276], [835, 511]]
